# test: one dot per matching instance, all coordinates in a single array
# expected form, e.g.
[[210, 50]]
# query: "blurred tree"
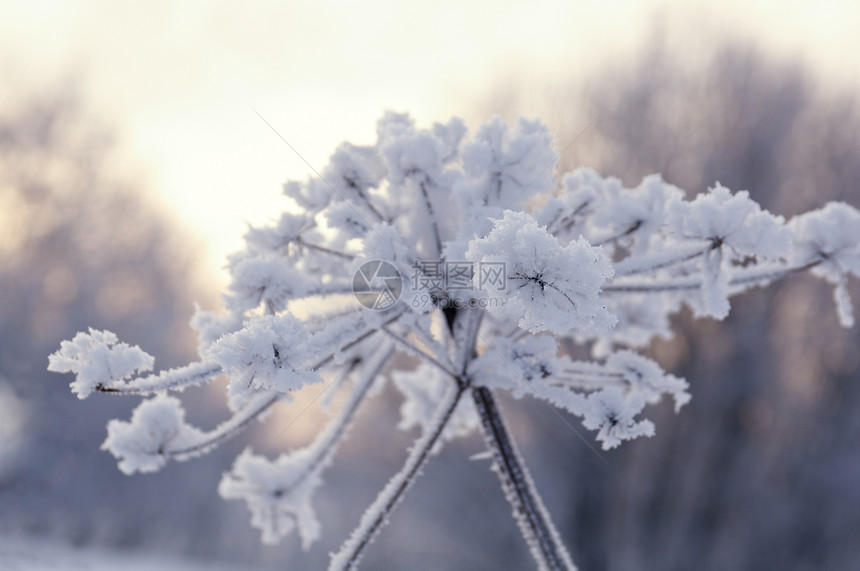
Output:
[[81, 244], [761, 471]]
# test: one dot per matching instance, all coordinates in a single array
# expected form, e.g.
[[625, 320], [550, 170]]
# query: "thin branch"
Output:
[[466, 335], [431, 216], [327, 441], [568, 219], [326, 250], [422, 354], [173, 379], [643, 264], [351, 182], [587, 376], [379, 511], [318, 321], [370, 205], [581, 373], [358, 339], [633, 228], [582, 382], [653, 287], [532, 517], [256, 405], [553, 162], [766, 275], [744, 277], [426, 337], [327, 289]]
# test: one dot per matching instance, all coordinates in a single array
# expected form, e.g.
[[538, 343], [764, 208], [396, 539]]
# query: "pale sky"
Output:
[[181, 80]]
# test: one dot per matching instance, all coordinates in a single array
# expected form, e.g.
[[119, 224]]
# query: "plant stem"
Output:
[[179, 378], [377, 514], [257, 405], [531, 515]]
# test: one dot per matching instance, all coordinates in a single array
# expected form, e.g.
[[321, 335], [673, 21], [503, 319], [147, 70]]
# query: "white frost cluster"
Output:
[[732, 220], [267, 354], [277, 494], [502, 262], [612, 414], [98, 359], [608, 395], [549, 287], [156, 430], [737, 228], [517, 366], [644, 377], [830, 238]]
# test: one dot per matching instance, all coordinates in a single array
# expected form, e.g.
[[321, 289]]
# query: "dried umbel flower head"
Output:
[[465, 254]]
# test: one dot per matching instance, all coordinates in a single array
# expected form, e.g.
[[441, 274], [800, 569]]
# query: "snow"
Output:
[[829, 236], [266, 355], [98, 359], [157, 426], [737, 227], [278, 498], [262, 279], [612, 414], [634, 215], [734, 220], [279, 492], [550, 287], [514, 366], [588, 263], [645, 377], [512, 165]]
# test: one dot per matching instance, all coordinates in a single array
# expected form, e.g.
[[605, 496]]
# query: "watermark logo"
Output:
[[377, 285], [460, 275]]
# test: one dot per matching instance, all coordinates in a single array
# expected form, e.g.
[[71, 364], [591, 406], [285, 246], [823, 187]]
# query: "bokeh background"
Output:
[[132, 158]]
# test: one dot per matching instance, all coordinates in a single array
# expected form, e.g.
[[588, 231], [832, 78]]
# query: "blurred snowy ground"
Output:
[[26, 554]]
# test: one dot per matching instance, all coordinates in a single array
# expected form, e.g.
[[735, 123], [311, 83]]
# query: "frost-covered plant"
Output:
[[468, 256]]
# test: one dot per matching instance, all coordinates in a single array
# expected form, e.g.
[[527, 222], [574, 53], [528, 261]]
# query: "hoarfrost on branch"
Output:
[[586, 261]]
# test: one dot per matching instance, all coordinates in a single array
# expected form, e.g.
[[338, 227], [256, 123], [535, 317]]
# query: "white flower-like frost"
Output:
[[265, 355], [156, 431], [278, 494], [98, 359], [549, 287]]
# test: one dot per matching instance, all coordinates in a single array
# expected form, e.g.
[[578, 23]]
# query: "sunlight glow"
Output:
[[182, 81]]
